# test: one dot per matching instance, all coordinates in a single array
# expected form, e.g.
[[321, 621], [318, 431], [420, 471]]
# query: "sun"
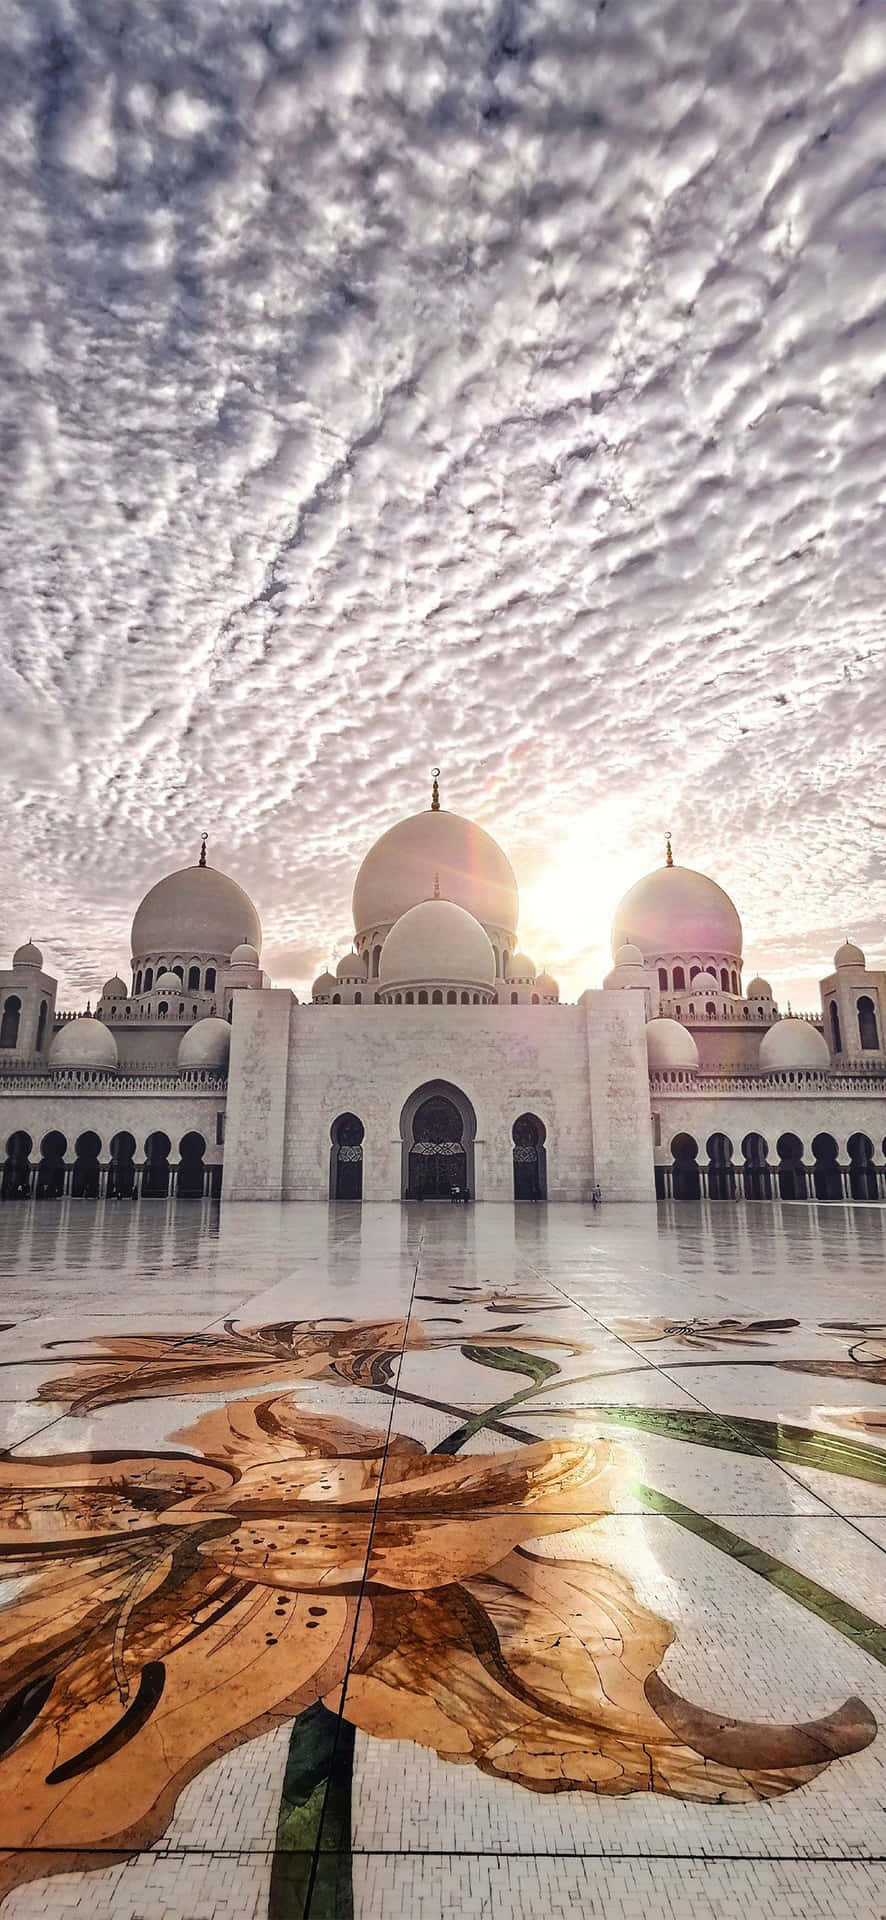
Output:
[[567, 910]]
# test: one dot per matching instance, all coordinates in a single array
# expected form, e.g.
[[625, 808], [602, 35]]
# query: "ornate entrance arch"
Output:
[[438, 1127]]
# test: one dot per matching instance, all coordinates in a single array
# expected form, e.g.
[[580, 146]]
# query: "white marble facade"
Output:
[[437, 1056]]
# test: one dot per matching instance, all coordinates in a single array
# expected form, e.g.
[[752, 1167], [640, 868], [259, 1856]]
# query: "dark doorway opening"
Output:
[[530, 1160], [346, 1159], [791, 1171], [686, 1177], [827, 1180], [16, 1180], [121, 1172], [51, 1171], [756, 1174], [190, 1179], [863, 1180], [85, 1173], [155, 1178]]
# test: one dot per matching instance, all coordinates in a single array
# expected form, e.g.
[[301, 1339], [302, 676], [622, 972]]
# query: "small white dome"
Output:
[[352, 967], [168, 982], [793, 1043], [520, 967], [628, 956], [704, 983], [84, 1042], [115, 988], [758, 989], [670, 1045], [27, 956], [547, 986], [244, 955], [324, 985], [206, 1044], [849, 955], [437, 941]]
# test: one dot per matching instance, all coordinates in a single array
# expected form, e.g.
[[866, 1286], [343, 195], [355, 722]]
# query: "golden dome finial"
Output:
[[435, 790], [202, 860], [669, 857], [436, 894]]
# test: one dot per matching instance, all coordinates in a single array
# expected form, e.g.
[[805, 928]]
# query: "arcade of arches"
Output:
[[48, 1168], [715, 1170]]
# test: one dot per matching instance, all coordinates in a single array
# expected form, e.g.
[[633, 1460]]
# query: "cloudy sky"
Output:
[[496, 384]]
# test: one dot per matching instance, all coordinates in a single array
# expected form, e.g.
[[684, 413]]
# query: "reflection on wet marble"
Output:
[[362, 1562]]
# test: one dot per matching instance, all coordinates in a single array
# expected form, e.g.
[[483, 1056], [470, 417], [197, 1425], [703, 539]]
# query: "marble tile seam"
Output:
[[213, 1851], [361, 1598]]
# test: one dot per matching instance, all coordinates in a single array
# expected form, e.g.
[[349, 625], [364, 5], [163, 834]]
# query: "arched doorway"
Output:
[[189, 1180], [155, 1178], [835, 1028], [121, 1172], [721, 1173], [826, 1178], [16, 1180], [85, 1175], [756, 1175], [346, 1158], [686, 1177], [51, 1171], [791, 1171], [863, 1182], [530, 1160], [437, 1130]]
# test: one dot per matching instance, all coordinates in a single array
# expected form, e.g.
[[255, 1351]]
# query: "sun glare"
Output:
[[566, 912]]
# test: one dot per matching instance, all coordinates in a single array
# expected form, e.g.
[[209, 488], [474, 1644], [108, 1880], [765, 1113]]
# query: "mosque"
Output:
[[436, 1058]]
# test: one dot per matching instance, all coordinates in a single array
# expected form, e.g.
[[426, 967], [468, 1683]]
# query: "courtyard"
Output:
[[441, 1561]]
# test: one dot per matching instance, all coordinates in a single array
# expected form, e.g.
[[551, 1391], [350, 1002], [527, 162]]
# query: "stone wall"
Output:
[[619, 1087], [369, 1060], [256, 1124]]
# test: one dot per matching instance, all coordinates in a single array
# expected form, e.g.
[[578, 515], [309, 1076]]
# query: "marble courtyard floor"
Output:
[[442, 1562]]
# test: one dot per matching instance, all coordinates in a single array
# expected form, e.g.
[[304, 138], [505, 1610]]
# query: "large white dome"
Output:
[[84, 1042], [401, 869], [676, 910], [670, 1045], [195, 910], [437, 942], [206, 1044], [793, 1043]]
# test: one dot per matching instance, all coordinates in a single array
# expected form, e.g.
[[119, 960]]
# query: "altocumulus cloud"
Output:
[[493, 384]]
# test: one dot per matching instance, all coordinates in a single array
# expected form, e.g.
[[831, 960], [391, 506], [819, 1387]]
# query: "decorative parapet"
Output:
[[102, 1080], [798, 1080]]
